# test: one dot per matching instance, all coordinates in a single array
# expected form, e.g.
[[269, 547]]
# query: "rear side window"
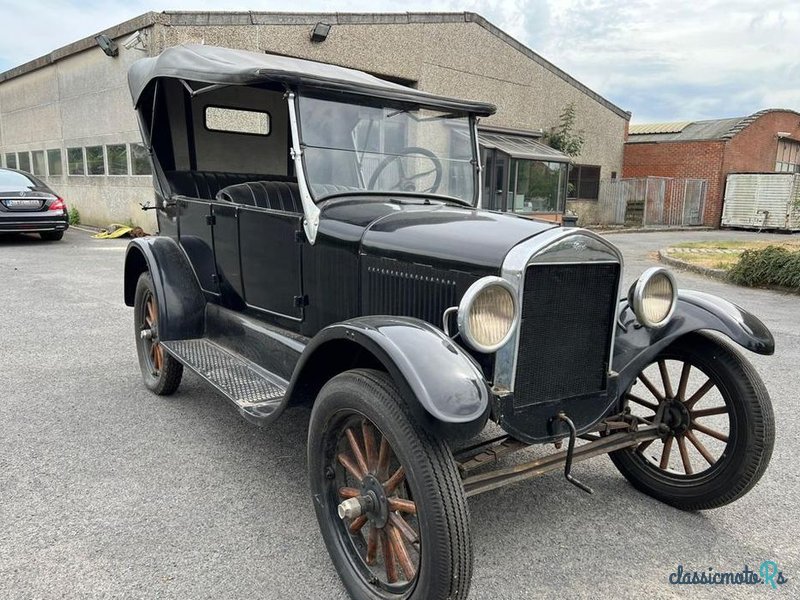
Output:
[[11, 180], [237, 120]]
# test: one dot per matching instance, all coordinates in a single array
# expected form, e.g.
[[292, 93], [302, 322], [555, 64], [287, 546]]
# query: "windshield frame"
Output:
[[375, 102]]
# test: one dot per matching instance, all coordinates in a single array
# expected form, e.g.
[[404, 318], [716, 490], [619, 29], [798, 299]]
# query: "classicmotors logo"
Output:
[[767, 574]]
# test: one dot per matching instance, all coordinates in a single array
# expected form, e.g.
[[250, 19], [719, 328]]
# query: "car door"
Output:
[[270, 246], [196, 238]]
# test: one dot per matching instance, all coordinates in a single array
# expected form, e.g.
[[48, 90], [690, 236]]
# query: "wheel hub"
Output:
[[676, 416], [371, 487]]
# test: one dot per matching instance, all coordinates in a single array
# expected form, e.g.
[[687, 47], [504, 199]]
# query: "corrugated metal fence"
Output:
[[762, 200], [652, 201]]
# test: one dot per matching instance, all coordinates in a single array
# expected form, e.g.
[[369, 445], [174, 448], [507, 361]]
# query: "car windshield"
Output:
[[352, 148], [12, 181]]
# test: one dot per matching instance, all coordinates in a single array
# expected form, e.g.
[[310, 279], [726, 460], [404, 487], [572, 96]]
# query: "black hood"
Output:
[[448, 235]]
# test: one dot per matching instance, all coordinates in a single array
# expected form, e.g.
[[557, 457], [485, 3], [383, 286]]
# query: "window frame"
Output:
[[147, 158], [47, 153], [579, 167], [83, 162], [19, 164], [108, 162]]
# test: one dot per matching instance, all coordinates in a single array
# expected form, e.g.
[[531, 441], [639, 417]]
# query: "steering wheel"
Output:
[[408, 183]]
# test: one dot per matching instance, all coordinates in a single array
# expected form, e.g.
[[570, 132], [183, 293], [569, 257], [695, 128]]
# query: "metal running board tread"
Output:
[[254, 390]]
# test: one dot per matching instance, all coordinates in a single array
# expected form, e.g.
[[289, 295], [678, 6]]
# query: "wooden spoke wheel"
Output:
[[160, 371], [388, 497], [719, 428]]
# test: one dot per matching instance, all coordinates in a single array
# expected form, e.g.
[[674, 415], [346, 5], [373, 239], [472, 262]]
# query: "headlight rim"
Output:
[[466, 304], [637, 297]]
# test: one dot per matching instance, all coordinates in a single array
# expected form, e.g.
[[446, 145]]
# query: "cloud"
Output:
[[661, 59]]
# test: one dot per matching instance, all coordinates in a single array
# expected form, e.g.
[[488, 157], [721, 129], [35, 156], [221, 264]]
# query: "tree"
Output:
[[564, 138]]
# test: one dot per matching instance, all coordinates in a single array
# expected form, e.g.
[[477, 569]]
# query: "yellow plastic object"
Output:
[[115, 231]]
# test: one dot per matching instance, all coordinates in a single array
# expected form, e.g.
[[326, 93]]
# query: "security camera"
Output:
[[107, 45], [134, 41]]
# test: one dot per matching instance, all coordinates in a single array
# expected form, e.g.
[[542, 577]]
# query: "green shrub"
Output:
[[772, 265], [74, 216]]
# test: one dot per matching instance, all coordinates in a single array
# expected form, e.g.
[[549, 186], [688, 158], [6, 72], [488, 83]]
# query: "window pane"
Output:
[[75, 161], [54, 162], [117, 159], [37, 157], [24, 161], [572, 186], [590, 183], [140, 160], [11, 160], [538, 186], [234, 120], [95, 164]]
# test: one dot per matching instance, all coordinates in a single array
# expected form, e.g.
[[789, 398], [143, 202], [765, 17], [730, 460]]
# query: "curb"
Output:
[[664, 257], [650, 230]]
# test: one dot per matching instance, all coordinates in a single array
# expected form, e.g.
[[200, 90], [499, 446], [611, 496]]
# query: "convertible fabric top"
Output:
[[224, 66]]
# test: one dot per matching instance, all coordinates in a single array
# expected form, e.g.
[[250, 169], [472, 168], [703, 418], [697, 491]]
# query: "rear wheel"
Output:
[[721, 426], [388, 497], [51, 236], [160, 371]]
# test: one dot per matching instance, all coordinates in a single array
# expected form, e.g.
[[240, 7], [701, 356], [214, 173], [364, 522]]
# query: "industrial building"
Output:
[[766, 141], [68, 118]]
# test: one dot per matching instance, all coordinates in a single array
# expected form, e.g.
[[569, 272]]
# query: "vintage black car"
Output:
[[27, 205], [322, 243]]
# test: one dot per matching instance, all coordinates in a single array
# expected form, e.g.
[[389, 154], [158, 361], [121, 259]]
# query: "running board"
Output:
[[256, 392]]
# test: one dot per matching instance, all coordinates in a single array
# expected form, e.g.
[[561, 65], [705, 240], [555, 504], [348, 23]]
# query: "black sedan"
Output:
[[28, 205]]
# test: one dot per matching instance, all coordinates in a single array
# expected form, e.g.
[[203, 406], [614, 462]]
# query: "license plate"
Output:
[[22, 204]]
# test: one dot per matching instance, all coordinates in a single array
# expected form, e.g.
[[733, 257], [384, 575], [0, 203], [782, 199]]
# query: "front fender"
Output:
[[424, 362], [181, 304], [635, 347]]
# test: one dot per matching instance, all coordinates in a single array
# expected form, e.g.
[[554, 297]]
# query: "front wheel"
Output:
[[387, 494], [721, 429]]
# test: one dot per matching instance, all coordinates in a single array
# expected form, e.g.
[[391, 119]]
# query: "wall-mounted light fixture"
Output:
[[320, 32], [107, 45]]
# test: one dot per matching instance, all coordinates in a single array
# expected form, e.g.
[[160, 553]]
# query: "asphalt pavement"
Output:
[[107, 491]]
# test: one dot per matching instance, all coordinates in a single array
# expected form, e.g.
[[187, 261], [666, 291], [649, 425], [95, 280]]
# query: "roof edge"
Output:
[[142, 21], [179, 18], [750, 119]]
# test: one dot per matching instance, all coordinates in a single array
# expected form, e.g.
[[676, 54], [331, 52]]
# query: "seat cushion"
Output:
[[275, 195], [206, 184]]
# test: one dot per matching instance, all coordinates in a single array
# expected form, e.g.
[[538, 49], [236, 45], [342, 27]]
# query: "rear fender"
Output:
[[181, 304], [431, 371], [635, 346]]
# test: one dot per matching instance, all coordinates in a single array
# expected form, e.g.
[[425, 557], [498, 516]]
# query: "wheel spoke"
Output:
[[368, 433], [388, 558], [391, 484], [707, 412], [700, 447], [662, 366], [401, 552], [348, 464], [710, 432], [702, 391], [357, 524], [649, 385], [348, 492], [151, 310], [384, 456], [687, 464], [359, 455], [665, 453], [401, 505], [159, 356], [408, 532], [372, 545], [645, 403], [685, 370]]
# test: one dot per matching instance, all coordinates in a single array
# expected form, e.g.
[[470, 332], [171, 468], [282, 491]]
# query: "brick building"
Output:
[[766, 141]]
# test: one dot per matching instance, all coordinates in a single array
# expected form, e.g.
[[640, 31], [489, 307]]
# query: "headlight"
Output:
[[487, 314], [653, 297]]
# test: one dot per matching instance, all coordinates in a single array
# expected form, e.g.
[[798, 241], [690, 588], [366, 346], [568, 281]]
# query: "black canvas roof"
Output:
[[225, 66]]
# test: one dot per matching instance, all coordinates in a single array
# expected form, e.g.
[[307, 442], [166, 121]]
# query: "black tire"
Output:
[[366, 398], [749, 440], [51, 236], [160, 371]]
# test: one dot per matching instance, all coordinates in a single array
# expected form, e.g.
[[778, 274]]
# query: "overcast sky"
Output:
[[661, 59]]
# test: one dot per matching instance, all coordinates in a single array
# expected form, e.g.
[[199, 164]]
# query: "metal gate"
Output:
[[652, 201]]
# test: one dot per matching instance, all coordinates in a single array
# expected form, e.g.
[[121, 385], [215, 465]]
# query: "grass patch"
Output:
[[738, 245], [709, 261], [770, 266]]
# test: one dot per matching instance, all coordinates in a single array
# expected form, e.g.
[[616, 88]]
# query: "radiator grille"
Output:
[[565, 333], [410, 291]]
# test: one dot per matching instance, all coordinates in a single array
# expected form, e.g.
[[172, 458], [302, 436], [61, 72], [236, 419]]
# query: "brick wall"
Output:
[[700, 160], [754, 149]]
